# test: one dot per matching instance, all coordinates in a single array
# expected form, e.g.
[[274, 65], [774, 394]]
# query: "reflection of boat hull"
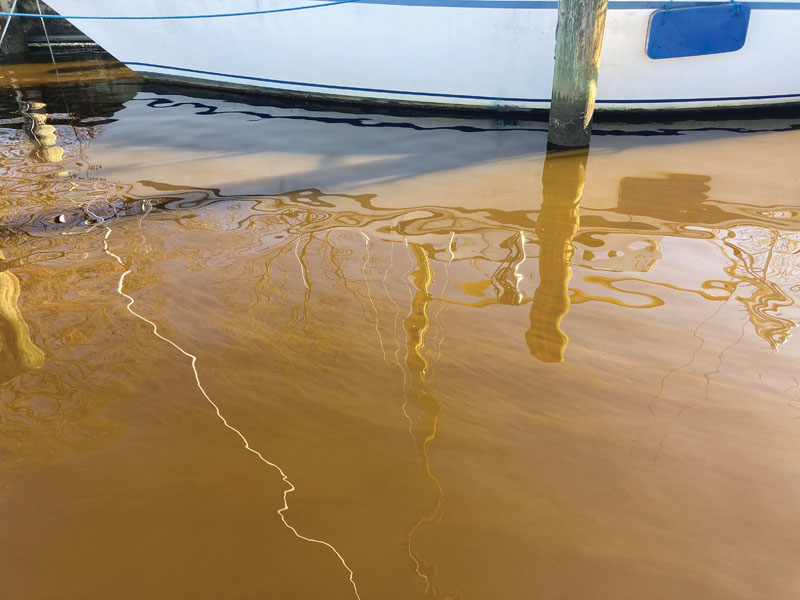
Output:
[[469, 53]]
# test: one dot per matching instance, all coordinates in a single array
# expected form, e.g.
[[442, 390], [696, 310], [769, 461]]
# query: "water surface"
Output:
[[469, 369]]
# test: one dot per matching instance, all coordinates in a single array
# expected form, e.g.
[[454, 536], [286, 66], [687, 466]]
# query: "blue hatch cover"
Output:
[[697, 30]]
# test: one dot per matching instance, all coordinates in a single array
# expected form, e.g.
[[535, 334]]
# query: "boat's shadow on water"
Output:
[[405, 147], [344, 152], [399, 147]]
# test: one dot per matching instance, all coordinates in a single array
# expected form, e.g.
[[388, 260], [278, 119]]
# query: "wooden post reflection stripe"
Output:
[[18, 353], [562, 187]]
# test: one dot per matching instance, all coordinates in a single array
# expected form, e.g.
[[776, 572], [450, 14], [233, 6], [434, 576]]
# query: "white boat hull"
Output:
[[493, 54]]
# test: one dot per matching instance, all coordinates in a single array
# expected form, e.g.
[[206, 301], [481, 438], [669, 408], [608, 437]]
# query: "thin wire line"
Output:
[[369, 294], [49, 46], [168, 17]]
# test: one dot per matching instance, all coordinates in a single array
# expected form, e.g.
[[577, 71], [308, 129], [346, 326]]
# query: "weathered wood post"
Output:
[[579, 38]]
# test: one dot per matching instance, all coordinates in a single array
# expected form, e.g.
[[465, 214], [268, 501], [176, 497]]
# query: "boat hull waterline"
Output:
[[479, 54]]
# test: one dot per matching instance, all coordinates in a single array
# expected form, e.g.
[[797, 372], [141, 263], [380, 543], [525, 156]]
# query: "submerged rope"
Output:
[[167, 17]]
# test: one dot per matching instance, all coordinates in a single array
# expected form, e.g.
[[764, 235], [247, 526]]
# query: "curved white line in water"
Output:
[[394, 324], [437, 317], [247, 446], [406, 275], [303, 271], [369, 294], [517, 274]]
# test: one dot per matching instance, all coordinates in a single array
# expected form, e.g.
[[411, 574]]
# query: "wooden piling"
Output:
[[579, 39]]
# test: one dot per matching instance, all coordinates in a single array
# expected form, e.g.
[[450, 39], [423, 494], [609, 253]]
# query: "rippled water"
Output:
[[260, 352]]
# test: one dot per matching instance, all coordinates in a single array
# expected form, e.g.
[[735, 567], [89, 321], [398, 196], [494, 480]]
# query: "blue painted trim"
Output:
[[168, 17], [507, 4], [461, 96], [676, 100], [515, 4], [648, 5], [553, 4]]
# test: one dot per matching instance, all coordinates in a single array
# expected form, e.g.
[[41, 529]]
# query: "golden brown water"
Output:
[[468, 369]]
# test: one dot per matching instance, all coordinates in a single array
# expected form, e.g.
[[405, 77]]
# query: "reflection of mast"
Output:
[[562, 187], [43, 135], [416, 325], [17, 351]]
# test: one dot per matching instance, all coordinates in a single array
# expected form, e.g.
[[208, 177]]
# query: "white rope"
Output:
[[50, 47]]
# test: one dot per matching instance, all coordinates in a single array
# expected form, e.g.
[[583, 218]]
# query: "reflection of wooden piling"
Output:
[[44, 135], [18, 353], [579, 38], [416, 325], [562, 188]]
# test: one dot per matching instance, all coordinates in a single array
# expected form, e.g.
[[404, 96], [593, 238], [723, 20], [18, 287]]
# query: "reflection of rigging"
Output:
[[424, 429], [754, 249], [369, 295], [506, 278], [439, 333]]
